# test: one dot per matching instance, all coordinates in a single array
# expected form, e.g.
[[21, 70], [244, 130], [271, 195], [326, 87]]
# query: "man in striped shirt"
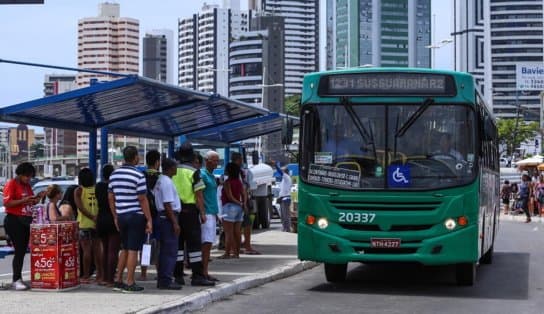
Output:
[[127, 195]]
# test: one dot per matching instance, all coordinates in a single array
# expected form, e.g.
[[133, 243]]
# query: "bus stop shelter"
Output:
[[141, 107]]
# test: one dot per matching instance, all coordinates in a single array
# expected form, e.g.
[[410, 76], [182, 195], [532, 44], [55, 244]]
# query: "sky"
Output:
[[47, 34]]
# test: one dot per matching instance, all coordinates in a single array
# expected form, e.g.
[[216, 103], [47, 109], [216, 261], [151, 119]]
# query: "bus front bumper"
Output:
[[459, 246]]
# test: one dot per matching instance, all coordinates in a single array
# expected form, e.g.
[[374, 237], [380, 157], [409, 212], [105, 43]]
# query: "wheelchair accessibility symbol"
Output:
[[399, 176]]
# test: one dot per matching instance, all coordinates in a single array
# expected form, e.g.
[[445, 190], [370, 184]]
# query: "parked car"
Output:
[[62, 182]]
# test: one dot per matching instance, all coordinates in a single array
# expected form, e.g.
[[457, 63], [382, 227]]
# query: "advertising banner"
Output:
[[54, 256], [530, 76]]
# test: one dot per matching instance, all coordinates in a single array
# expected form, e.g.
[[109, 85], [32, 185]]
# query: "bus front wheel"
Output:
[[465, 274], [336, 272]]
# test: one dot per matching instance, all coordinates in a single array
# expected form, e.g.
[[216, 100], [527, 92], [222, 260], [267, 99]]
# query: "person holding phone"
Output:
[[18, 199]]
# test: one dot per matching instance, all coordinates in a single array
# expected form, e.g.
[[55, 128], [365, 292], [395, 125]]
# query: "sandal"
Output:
[[253, 252], [224, 256]]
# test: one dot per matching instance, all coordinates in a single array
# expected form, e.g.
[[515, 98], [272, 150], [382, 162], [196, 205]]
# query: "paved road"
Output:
[[278, 260], [512, 284]]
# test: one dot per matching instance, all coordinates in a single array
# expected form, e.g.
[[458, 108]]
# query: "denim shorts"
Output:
[[232, 212], [132, 231]]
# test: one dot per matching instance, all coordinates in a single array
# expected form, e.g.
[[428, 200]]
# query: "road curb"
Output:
[[200, 299]]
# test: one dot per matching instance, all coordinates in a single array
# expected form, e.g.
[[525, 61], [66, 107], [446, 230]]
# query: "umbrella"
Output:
[[531, 161], [540, 167]]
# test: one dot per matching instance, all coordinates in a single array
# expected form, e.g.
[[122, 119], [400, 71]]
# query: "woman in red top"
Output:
[[18, 199], [233, 201]]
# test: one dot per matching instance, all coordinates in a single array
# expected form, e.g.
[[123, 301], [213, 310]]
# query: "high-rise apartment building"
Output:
[[257, 72], [516, 36], [158, 55], [108, 43], [387, 33], [59, 142], [204, 38], [471, 44], [301, 18]]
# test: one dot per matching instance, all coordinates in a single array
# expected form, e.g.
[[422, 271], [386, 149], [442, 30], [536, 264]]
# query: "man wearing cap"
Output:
[[190, 190]]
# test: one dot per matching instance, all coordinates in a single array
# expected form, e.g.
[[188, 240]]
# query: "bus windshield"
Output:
[[389, 146]]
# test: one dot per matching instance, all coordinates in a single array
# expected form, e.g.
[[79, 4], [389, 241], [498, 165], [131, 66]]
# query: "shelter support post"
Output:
[[171, 148], [227, 156], [103, 147], [92, 151]]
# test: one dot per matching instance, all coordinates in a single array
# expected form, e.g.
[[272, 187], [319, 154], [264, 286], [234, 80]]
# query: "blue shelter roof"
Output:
[[143, 107]]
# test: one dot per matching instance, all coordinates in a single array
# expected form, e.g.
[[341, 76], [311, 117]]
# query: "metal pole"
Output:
[[515, 126]]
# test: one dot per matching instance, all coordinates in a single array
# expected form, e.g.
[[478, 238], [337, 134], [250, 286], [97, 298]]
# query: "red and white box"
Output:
[[54, 258]]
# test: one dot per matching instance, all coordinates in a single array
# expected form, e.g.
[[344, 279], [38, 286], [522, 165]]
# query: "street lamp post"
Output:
[[436, 46], [263, 86]]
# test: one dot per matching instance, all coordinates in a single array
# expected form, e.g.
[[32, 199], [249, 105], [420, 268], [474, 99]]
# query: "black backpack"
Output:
[[151, 179]]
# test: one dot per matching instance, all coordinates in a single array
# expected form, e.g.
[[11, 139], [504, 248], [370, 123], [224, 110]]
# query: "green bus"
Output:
[[397, 165]]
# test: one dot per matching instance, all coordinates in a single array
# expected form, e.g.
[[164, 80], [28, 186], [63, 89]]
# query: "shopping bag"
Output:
[[146, 253]]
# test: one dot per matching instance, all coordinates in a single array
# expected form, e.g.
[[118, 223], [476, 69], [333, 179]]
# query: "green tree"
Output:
[[512, 138], [292, 105], [37, 150]]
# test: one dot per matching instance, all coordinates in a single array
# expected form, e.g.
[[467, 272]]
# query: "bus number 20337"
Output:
[[356, 217]]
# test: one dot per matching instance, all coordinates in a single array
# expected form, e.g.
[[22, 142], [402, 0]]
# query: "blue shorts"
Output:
[[132, 231], [232, 212]]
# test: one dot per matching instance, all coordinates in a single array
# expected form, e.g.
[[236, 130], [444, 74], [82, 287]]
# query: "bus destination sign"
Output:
[[387, 84]]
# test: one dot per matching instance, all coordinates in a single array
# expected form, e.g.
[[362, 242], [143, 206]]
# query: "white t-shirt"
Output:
[[285, 185], [165, 192]]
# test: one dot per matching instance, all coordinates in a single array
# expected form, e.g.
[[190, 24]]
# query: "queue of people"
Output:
[[526, 197], [180, 207]]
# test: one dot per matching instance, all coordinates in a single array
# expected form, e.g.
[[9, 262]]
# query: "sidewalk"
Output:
[[520, 218], [278, 260]]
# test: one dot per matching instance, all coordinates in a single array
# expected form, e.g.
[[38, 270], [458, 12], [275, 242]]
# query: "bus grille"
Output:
[[384, 205], [393, 227]]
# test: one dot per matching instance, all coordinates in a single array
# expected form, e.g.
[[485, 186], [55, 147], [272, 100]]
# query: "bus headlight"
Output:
[[322, 223], [450, 224]]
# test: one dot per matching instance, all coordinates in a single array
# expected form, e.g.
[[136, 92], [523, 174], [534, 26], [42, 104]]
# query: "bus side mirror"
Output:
[[287, 132]]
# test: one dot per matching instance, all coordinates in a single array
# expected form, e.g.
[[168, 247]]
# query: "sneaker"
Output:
[[179, 280], [118, 286], [171, 286], [19, 285], [201, 281], [132, 288]]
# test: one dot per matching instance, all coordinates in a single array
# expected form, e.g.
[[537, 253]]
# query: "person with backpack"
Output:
[[152, 174], [87, 207]]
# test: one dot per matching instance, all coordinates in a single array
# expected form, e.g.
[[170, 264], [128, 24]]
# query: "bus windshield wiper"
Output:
[[409, 122], [402, 130], [367, 136]]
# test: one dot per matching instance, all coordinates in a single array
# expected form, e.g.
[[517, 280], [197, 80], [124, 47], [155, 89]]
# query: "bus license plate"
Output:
[[386, 243]]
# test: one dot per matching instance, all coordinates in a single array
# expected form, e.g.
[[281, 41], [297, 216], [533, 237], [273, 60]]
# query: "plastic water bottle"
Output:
[[38, 209]]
